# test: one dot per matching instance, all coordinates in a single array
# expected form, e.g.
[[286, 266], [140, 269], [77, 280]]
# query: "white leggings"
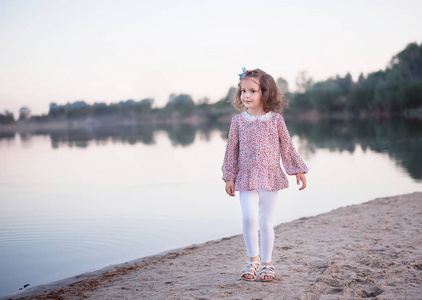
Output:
[[258, 207]]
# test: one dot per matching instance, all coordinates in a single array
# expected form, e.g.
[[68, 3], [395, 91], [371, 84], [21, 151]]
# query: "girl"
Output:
[[257, 139]]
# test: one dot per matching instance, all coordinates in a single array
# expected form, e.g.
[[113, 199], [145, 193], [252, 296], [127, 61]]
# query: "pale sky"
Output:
[[109, 51]]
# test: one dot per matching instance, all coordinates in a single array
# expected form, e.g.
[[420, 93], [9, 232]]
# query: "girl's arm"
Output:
[[231, 157], [292, 162]]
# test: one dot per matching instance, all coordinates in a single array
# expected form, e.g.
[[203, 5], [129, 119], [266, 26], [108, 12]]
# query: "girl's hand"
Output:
[[301, 177], [230, 188]]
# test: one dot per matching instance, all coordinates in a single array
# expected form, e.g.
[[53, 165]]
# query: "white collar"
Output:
[[251, 118]]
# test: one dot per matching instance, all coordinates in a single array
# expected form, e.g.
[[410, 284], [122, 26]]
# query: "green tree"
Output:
[[7, 117], [78, 109], [24, 113], [325, 95], [358, 100], [181, 104], [56, 111], [300, 102], [144, 106], [409, 61], [100, 109]]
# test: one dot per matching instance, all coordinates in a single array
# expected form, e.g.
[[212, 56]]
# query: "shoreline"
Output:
[[369, 250]]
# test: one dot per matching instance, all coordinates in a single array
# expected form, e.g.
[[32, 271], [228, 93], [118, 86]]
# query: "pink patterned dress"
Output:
[[254, 148]]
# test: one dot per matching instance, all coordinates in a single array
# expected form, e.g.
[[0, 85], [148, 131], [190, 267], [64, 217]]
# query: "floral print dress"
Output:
[[254, 148]]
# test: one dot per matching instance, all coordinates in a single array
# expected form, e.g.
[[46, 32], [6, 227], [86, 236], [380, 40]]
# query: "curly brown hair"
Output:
[[272, 98]]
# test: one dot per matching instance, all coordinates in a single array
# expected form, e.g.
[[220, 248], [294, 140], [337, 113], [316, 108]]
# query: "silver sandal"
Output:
[[251, 269], [266, 270]]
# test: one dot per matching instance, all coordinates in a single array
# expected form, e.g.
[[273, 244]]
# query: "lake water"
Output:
[[79, 200]]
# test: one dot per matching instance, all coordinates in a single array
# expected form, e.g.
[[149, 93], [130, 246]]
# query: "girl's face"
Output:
[[251, 94]]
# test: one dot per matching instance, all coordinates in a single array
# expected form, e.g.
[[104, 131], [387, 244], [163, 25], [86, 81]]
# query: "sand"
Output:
[[367, 251]]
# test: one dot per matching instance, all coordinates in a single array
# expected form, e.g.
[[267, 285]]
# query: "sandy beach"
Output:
[[367, 251]]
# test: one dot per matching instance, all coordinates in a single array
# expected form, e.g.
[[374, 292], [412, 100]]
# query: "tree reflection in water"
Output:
[[401, 139]]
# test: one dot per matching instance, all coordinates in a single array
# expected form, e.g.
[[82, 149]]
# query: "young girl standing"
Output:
[[257, 139]]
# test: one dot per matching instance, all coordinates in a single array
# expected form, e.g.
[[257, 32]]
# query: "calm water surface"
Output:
[[77, 201]]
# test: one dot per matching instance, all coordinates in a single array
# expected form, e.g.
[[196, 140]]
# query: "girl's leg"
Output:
[[267, 205], [249, 202]]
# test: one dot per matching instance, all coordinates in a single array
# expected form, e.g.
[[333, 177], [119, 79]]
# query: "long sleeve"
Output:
[[230, 166], [292, 162]]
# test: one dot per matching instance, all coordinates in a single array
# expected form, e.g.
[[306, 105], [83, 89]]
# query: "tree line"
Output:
[[181, 105], [393, 91]]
